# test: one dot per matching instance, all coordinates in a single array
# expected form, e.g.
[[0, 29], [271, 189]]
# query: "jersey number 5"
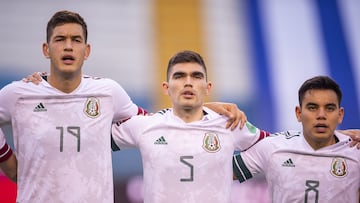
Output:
[[183, 160], [73, 130]]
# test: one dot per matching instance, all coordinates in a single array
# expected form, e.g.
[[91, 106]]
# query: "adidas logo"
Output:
[[288, 163], [161, 140], [40, 107]]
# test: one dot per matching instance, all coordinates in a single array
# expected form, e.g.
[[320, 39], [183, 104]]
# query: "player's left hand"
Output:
[[34, 78], [355, 136], [230, 110]]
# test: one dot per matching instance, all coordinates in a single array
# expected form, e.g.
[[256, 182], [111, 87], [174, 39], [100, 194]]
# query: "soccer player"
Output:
[[186, 151], [62, 127], [312, 165]]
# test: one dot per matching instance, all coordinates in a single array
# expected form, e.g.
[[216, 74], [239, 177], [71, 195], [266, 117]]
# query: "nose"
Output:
[[188, 81], [321, 113], [68, 44]]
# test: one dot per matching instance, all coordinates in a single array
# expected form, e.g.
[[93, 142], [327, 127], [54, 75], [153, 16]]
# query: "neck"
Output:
[[64, 84], [318, 144], [189, 115]]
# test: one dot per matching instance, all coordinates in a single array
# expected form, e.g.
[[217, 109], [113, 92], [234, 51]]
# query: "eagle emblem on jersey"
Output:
[[92, 107], [339, 167], [211, 142]]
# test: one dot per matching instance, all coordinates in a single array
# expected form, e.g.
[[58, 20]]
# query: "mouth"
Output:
[[188, 94], [320, 128], [68, 59]]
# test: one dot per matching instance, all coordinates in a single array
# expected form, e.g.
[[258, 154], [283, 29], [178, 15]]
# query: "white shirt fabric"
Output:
[[295, 172], [185, 162], [62, 141]]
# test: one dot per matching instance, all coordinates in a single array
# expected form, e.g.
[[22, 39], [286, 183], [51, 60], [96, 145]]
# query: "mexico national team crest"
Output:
[[92, 107], [211, 142], [339, 167]]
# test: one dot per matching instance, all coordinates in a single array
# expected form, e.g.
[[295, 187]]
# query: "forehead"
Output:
[[68, 29], [321, 97], [187, 67]]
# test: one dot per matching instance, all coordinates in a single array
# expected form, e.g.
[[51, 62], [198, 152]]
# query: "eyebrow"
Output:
[[315, 104], [192, 73], [72, 36]]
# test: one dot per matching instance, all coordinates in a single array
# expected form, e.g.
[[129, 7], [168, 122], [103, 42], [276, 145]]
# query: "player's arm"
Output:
[[8, 162], [230, 110], [240, 171], [355, 136]]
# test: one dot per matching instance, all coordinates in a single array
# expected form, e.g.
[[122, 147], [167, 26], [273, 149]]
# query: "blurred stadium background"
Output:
[[258, 54]]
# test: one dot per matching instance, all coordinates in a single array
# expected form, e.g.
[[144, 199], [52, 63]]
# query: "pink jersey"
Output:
[[297, 173], [185, 162], [62, 141]]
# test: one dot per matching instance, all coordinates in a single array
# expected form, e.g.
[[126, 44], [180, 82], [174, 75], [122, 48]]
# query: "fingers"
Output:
[[243, 119], [355, 136], [228, 112], [34, 78], [231, 112], [355, 144], [237, 118], [233, 122]]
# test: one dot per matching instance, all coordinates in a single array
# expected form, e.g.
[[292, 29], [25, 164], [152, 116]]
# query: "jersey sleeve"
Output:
[[7, 101], [248, 136], [251, 162], [124, 107], [5, 150], [126, 134]]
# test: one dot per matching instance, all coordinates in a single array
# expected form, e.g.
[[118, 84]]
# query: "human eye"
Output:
[[331, 108], [77, 39], [58, 39], [311, 107], [177, 75], [198, 75]]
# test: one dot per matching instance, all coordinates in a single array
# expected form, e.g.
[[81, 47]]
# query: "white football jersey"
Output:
[[62, 141], [185, 162], [295, 172]]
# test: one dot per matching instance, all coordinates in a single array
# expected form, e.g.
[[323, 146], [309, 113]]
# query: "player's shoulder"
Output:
[[95, 79], [163, 112], [168, 112], [280, 140], [142, 121], [213, 118], [101, 84], [284, 138], [162, 115], [286, 135], [19, 87]]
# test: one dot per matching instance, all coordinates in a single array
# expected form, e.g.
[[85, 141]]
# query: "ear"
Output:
[[298, 113], [208, 88], [341, 115], [45, 49], [87, 51], [165, 87]]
